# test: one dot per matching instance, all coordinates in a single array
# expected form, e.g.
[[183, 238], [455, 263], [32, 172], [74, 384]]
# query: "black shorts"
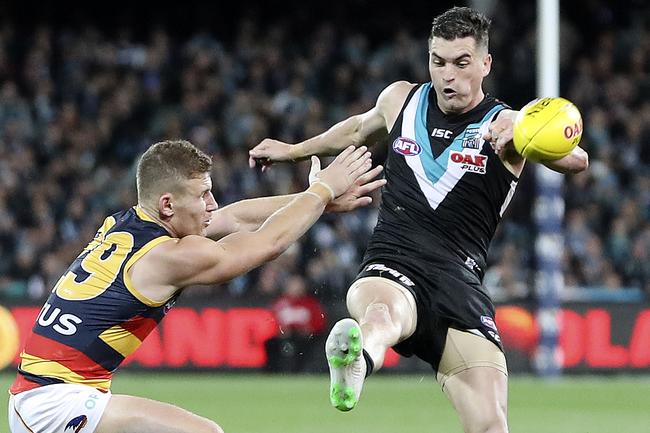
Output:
[[447, 295]]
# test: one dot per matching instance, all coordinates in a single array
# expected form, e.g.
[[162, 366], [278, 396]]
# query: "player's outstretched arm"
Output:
[[354, 131], [362, 129], [248, 215], [198, 260], [575, 162]]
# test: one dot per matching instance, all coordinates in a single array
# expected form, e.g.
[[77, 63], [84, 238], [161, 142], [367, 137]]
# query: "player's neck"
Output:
[[478, 98], [153, 216]]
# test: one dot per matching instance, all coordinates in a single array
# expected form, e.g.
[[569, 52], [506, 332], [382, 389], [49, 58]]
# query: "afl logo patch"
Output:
[[489, 322], [406, 146]]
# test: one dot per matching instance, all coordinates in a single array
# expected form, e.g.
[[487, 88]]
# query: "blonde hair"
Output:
[[166, 165]]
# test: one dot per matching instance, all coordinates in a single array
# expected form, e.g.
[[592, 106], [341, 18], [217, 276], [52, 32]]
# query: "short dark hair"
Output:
[[165, 165], [461, 22]]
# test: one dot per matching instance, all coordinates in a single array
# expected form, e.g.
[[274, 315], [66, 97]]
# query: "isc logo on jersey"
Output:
[[406, 146], [441, 133], [469, 162]]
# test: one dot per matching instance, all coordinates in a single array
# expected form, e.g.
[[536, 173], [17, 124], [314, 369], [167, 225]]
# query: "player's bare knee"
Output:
[[493, 421], [495, 426], [379, 315]]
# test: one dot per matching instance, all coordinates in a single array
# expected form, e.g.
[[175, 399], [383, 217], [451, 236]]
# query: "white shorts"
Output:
[[58, 408]]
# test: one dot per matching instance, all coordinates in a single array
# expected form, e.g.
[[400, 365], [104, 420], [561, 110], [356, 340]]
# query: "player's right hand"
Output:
[[358, 195], [500, 132], [346, 168], [268, 152]]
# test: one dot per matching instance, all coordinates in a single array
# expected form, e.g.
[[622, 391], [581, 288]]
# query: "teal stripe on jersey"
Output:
[[434, 168]]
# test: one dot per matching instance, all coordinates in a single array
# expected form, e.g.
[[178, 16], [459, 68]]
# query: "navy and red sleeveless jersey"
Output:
[[94, 317]]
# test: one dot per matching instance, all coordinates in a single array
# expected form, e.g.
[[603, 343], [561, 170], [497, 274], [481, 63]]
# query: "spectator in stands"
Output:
[[301, 321], [77, 104]]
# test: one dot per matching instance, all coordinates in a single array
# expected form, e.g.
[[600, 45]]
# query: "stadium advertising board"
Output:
[[593, 338]]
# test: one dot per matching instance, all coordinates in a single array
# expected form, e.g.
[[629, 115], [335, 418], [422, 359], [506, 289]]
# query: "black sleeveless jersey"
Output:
[[447, 189]]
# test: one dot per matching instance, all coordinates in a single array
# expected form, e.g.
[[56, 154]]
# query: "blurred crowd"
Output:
[[78, 105]]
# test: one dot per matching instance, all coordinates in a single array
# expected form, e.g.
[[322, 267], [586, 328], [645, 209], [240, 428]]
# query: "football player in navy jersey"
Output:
[[124, 282], [451, 170]]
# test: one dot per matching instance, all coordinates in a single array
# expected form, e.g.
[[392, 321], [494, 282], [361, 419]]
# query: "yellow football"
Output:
[[547, 129]]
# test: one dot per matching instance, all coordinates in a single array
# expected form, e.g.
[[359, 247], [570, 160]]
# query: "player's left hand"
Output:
[[268, 152], [358, 194], [500, 132]]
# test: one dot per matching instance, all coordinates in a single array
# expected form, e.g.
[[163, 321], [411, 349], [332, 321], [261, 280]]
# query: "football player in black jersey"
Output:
[[451, 170]]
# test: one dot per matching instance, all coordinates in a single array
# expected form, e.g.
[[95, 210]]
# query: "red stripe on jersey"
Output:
[[69, 357], [139, 326], [21, 384]]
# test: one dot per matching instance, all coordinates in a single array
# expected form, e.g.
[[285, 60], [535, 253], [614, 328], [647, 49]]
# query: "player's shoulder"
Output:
[[393, 97], [183, 254], [397, 91]]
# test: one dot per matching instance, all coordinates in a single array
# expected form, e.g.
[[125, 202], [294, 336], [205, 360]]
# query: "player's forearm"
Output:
[[290, 222], [332, 141], [245, 215], [575, 162]]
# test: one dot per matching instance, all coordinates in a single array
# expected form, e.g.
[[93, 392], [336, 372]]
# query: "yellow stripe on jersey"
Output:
[[121, 340], [134, 258], [43, 367]]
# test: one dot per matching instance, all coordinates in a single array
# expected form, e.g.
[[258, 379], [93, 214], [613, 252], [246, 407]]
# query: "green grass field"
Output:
[[390, 404]]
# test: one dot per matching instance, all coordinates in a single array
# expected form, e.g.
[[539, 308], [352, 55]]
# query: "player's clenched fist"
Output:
[[269, 151]]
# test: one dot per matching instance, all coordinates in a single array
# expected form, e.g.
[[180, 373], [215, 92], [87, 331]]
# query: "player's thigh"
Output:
[[127, 414], [373, 291], [474, 377]]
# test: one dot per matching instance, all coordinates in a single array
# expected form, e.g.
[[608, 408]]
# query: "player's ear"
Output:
[[487, 64], [165, 207]]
